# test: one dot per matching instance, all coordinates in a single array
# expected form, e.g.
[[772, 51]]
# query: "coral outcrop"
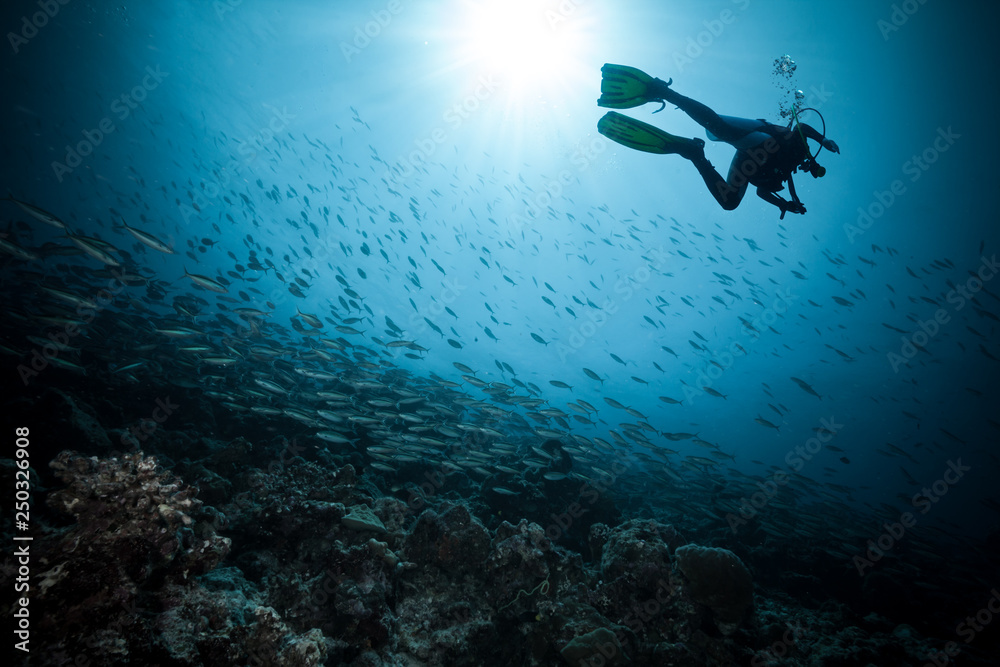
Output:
[[718, 579]]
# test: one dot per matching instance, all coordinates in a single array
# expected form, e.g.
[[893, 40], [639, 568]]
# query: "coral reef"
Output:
[[305, 563], [137, 529]]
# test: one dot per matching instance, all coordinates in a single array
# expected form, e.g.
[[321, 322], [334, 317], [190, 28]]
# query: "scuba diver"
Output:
[[766, 154]]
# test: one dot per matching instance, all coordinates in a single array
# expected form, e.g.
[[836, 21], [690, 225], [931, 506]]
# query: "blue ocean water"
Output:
[[386, 199]]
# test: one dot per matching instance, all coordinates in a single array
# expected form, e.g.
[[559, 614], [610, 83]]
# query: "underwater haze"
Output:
[[335, 333]]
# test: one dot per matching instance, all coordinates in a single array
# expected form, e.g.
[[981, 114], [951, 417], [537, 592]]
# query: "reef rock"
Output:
[[138, 531], [362, 518], [599, 647], [718, 579], [453, 540]]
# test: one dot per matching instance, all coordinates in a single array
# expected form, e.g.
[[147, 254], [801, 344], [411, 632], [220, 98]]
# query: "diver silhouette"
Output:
[[766, 154]]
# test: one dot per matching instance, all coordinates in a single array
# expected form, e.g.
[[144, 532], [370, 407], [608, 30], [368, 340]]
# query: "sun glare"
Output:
[[524, 42]]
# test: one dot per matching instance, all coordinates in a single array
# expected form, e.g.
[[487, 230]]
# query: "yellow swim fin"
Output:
[[641, 136], [624, 87]]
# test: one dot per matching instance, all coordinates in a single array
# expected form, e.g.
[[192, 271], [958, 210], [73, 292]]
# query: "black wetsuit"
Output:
[[779, 165], [766, 165]]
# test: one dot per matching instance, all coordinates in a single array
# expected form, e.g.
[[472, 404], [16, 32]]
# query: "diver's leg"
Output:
[[699, 113], [729, 191], [736, 180]]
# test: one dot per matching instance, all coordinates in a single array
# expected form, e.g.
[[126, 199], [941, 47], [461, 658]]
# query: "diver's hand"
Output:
[[831, 145], [791, 207]]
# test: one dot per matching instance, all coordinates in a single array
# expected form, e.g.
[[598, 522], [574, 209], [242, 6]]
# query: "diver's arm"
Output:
[[772, 198], [828, 144], [785, 206], [791, 190]]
